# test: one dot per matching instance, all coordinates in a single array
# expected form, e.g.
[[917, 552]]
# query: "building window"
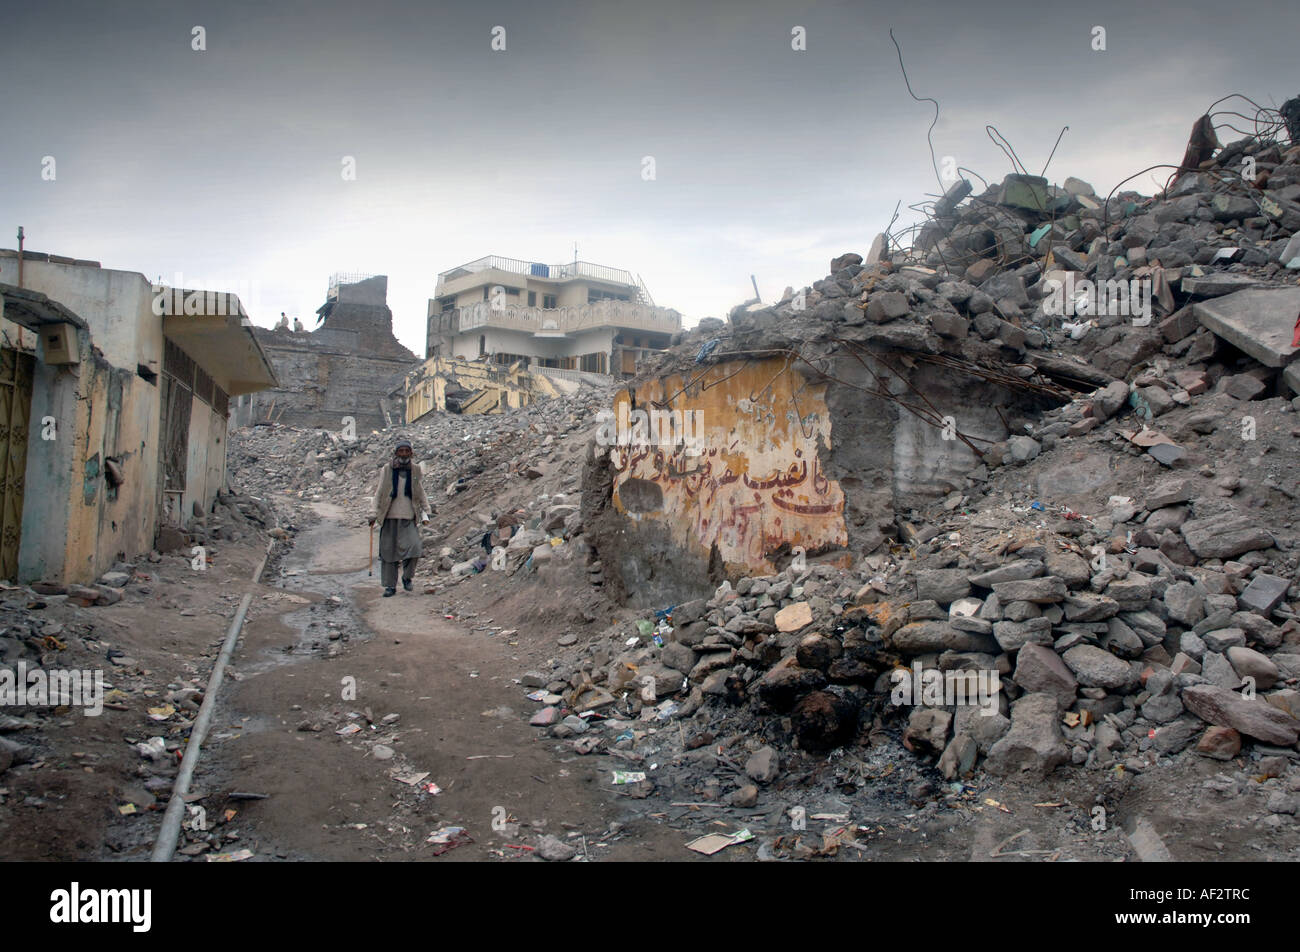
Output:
[[532, 299], [482, 344], [548, 302], [595, 295]]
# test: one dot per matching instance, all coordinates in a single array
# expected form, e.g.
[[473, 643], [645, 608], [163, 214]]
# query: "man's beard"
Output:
[[399, 463]]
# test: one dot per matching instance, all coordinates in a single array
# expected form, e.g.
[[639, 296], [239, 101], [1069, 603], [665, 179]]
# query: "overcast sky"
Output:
[[225, 165]]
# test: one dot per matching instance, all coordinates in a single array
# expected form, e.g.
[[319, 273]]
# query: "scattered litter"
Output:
[[349, 730], [236, 857], [715, 842], [628, 776], [447, 838], [411, 779]]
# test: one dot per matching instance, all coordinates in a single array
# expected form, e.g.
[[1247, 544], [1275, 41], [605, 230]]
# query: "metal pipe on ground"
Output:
[[165, 846]]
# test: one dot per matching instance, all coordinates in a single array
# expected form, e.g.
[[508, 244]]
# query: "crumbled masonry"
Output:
[[1018, 504]]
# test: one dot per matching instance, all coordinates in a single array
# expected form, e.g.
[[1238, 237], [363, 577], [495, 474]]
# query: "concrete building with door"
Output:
[[115, 394], [575, 316]]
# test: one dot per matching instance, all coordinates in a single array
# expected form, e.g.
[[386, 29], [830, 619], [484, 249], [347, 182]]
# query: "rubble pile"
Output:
[[513, 477], [1019, 276], [1160, 620]]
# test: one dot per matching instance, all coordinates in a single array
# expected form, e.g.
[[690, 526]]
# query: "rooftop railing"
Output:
[[555, 272]]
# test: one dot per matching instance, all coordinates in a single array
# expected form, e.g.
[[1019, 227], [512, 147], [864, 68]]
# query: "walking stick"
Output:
[[370, 566]]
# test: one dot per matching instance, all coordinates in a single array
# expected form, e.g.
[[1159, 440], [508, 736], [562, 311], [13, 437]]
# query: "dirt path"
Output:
[[460, 718]]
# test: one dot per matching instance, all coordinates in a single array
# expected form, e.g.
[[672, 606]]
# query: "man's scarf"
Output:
[[400, 466]]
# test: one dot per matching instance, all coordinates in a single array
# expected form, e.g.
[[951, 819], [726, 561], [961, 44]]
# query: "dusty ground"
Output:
[[463, 719]]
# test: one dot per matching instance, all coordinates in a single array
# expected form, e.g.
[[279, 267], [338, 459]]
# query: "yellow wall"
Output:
[[757, 482]]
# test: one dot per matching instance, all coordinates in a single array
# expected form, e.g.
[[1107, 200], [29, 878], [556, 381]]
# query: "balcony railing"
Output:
[[555, 272], [565, 320]]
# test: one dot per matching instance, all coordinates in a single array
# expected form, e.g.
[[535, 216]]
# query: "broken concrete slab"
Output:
[[1217, 285], [1264, 593], [1260, 322], [1254, 718], [1225, 535]]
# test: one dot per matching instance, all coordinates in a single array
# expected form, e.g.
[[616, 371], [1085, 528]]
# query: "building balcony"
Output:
[[562, 321]]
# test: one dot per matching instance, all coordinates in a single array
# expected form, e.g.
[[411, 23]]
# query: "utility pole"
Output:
[[757, 297], [20, 256]]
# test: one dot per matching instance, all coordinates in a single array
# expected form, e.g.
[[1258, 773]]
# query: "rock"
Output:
[[1216, 669], [1173, 737], [678, 657], [1279, 801], [1014, 635], [1069, 567], [115, 579], [745, 797], [1264, 593], [927, 636], [1096, 668], [793, 617], [1040, 670], [1249, 663], [886, 306], [844, 260], [1221, 743], [942, 585], [1011, 572], [817, 651], [927, 730], [1041, 591], [950, 325], [1034, 744], [823, 721], [763, 766], [958, 758], [1185, 603], [785, 683], [1224, 638], [1023, 448], [1254, 718], [986, 729], [554, 850], [545, 717], [1108, 400], [1224, 535], [1243, 386], [107, 596], [1162, 708], [1088, 607]]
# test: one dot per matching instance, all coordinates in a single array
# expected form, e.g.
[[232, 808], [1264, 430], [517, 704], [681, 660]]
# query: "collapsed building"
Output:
[[456, 385], [115, 396], [348, 366]]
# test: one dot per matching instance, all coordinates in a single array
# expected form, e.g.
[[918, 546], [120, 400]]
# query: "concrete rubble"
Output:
[[1124, 568], [1099, 578]]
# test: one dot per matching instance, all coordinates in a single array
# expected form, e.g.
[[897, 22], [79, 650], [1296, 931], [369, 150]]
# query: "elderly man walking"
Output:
[[398, 498]]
